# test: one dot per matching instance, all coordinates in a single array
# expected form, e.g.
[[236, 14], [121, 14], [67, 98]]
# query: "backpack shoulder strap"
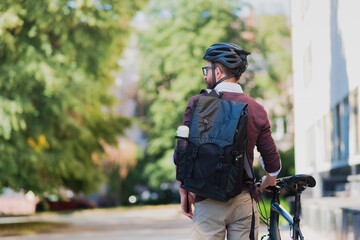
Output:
[[205, 90], [211, 93]]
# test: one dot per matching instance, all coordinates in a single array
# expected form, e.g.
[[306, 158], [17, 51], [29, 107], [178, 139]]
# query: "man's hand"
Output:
[[184, 203], [266, 181], [186, 198]]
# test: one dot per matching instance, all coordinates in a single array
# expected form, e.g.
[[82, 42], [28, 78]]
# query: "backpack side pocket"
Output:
[[234, 184], [180, 162]]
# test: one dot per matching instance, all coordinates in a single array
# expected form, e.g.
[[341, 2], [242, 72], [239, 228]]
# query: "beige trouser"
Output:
[[213, 219]]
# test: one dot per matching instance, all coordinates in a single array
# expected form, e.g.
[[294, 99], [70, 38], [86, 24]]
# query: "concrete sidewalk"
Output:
[[152, 223]]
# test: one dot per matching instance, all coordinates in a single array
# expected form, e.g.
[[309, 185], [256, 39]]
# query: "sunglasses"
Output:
[[205, 70]]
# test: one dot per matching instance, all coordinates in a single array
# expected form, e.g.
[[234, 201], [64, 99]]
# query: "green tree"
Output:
[[273, 45], [172, 50], [56, 58]]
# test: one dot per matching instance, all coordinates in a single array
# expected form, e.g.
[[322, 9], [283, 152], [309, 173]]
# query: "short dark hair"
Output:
[[224, 69]]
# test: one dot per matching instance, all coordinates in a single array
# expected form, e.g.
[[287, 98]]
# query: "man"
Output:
[[214, 219]]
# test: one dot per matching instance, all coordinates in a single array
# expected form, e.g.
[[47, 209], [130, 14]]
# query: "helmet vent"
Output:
[[231, 57], [223, 49]]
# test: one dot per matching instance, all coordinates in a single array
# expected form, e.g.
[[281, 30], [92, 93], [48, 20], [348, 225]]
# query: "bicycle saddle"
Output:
[[301, 180]]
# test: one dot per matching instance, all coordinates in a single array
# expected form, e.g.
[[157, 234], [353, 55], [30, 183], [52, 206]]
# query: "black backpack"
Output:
[[216, 158]]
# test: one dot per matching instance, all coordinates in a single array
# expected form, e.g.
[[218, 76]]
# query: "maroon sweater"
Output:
[[258, 130]]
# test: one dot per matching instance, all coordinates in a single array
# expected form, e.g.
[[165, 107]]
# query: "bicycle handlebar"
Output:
[[296, 181]]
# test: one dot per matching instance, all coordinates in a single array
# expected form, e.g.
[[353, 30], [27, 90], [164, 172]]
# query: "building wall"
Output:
[[326, 73]]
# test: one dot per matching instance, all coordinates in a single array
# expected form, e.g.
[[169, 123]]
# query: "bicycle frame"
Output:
[[298, 183], [278, 210]]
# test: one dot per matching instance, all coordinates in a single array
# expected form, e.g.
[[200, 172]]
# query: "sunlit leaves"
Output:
[[273, 38], [56, 57]]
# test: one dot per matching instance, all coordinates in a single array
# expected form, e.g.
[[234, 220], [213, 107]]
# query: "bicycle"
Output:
[[297, 183]]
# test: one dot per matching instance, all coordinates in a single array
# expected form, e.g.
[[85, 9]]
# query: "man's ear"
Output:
[[217, 73]]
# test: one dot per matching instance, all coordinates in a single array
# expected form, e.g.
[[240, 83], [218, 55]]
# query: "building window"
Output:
[[341, 131], [336, 133], [354, 122], [326, 127]]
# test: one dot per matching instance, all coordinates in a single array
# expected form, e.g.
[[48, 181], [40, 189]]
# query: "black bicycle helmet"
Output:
[[230, 55]]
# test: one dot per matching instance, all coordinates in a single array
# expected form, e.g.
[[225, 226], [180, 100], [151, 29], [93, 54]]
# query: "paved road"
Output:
[[151, 223]]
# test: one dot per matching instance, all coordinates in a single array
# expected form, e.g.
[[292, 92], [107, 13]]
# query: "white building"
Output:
[[326, 69], [326, 73]]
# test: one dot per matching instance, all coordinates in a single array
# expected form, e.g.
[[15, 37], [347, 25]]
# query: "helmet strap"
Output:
[[213, 75], [223, 79], [214, 78]]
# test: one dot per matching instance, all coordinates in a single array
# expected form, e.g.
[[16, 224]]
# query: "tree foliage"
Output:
[[56, 58], [273, 44]]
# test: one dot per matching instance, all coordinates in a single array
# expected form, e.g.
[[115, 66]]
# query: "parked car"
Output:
[[67, 205]]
